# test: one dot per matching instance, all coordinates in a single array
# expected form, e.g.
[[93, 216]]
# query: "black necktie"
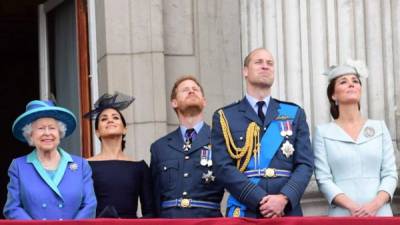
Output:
[[260, 112]]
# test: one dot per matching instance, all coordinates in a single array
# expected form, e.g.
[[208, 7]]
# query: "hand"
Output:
[[368, 209], [272, 206]]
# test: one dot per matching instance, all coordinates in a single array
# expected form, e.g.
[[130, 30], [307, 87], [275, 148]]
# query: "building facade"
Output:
[[140, 47]]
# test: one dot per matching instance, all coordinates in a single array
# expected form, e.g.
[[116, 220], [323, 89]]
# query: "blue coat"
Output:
[[239, 115], [32, 194], [169, 163], [357, 168]]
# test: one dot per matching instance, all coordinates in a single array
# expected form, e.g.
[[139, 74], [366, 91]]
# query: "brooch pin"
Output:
[[369, 132], [73, 166], [287, 149], [208, 177]]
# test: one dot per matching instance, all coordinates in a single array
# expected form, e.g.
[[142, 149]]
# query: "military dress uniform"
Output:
[[183, 176], [252, 165]]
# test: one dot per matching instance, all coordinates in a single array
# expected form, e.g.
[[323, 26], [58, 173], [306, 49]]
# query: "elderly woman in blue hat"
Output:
[[354, 158], [48, 183]]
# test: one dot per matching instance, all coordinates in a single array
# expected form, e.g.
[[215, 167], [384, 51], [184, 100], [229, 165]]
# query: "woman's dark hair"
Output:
[[96, 124], [334, 109]]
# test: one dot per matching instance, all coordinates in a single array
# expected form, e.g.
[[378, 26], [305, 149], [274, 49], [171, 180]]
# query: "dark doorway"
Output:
[[20, 76]]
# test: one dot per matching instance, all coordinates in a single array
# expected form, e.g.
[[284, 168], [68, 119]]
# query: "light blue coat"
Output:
[[32, 194], [359, 169]]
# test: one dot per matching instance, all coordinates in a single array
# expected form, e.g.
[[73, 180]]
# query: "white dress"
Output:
[[359, 169]]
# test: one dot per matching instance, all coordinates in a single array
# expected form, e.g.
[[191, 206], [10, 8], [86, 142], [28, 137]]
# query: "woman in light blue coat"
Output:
[[48, 183], [354, 157]]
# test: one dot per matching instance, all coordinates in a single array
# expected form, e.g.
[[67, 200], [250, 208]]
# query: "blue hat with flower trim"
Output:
[[37, 109]]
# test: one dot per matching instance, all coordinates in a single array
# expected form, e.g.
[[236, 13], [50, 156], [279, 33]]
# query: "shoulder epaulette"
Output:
[[230, 105], [285, 102]]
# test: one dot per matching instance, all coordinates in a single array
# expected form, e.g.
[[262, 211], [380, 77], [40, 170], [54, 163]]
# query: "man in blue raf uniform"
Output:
[[261, 147], [181, 164]]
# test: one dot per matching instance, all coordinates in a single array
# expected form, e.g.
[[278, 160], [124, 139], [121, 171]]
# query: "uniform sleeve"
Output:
[[388, 165], [13, 209], [226, 172], [323, 172], [303, 161], [155, 182], [146, 193], [89, 203]]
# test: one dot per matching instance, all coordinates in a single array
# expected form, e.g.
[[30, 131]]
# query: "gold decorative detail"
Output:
[[236, 212], [269, 172], [251, 146], [282, 118], [185, 203]]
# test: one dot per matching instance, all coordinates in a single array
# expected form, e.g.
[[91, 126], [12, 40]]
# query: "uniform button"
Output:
[[187, 157], [165, 168], [265, 128], [44, 218], [44, 205], [184, 193], [60, 219], [60, 205], [241, 138], [185, 174]]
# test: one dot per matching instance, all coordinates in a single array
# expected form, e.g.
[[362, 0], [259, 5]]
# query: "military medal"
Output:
[[208, 177], [287, 149], [286, 128], [283, 130], [369, 132], [209, 161], [289, 131], [187, 146], [203, 157]]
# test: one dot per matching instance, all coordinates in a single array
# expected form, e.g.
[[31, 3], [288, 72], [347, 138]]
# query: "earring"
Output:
[[336, 103]]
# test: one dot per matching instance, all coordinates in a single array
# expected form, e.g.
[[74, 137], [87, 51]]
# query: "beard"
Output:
[[192, 109]]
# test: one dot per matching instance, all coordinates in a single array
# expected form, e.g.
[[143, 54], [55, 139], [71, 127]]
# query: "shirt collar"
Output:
[[64, 156], [253, 102], [196, 127]]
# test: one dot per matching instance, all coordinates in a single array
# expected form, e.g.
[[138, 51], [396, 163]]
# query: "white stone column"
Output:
[[202, 38], [131, 60]]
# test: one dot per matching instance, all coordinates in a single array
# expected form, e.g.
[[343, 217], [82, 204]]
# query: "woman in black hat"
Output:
[[118, 180]]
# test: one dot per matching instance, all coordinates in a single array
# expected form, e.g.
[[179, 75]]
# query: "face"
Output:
[[110, 124], [45, 134], [347, 89], [260, 70], [189, 98]]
